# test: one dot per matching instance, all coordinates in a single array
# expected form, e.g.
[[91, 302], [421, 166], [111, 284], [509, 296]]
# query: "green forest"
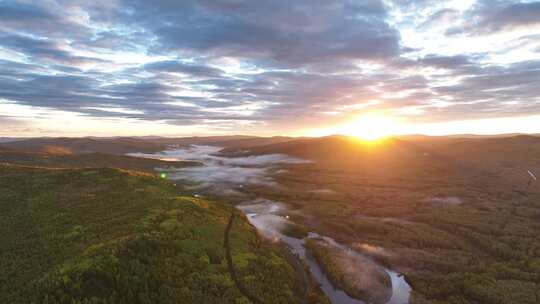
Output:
[[114, 236], [484, 249], [458, 234]]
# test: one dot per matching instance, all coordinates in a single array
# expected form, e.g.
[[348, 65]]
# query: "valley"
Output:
[[447, 222], [107, 235], [270, 152], [435, 220]]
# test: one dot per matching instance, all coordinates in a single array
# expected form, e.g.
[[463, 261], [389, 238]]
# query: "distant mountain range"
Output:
[[402, 155], [67, 145]]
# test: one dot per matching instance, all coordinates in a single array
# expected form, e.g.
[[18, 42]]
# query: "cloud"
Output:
[[43, 49], [173, 66], [441, 18], [16, 11], [295, 33], [40, 18], [495, 16], [488, 17], [267, 65]]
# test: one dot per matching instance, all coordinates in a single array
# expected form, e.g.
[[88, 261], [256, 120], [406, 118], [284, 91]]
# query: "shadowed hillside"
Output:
[[89, 160], [66, 145], [223, 141]]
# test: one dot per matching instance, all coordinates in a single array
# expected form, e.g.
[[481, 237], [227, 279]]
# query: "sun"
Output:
[[371, 127], [367, 127]]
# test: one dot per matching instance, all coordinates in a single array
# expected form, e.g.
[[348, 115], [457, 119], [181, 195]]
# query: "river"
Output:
[[267, 217], [226, 175]]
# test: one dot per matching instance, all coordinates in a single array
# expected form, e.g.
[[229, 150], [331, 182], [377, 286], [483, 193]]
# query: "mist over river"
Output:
[[270, 219], [228, 175], [220, 171]]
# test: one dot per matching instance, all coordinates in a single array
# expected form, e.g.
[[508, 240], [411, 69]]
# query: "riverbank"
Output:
[[271, 221]]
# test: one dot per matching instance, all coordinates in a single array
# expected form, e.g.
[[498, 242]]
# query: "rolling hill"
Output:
[[503, 156], [88, 160], [113, 236], [222, 141], [66, 145]]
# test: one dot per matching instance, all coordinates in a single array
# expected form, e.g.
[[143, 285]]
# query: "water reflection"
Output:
[[267, 217]]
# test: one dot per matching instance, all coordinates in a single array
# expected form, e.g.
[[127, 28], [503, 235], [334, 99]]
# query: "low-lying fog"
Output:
[[227, 175], [271, 220], [221, 170]]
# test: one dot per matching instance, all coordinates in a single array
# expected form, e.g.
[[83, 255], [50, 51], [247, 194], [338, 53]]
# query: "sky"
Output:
[[312, 67]]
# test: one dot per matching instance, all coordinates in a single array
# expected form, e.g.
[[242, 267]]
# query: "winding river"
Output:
[[226, 174], [266, 217]]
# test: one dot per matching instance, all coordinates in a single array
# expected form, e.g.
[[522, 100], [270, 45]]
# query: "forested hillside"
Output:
[[75, 145], [460, 218], [89, 160], [112, 236]]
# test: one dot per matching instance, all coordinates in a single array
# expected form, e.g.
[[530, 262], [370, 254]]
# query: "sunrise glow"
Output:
[[370, 127], [368, 70]]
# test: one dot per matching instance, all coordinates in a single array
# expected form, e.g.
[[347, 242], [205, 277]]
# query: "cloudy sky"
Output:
[[312, 67]]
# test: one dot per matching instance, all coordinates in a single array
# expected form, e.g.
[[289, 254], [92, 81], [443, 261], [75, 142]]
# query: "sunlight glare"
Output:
[[371, 127]]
